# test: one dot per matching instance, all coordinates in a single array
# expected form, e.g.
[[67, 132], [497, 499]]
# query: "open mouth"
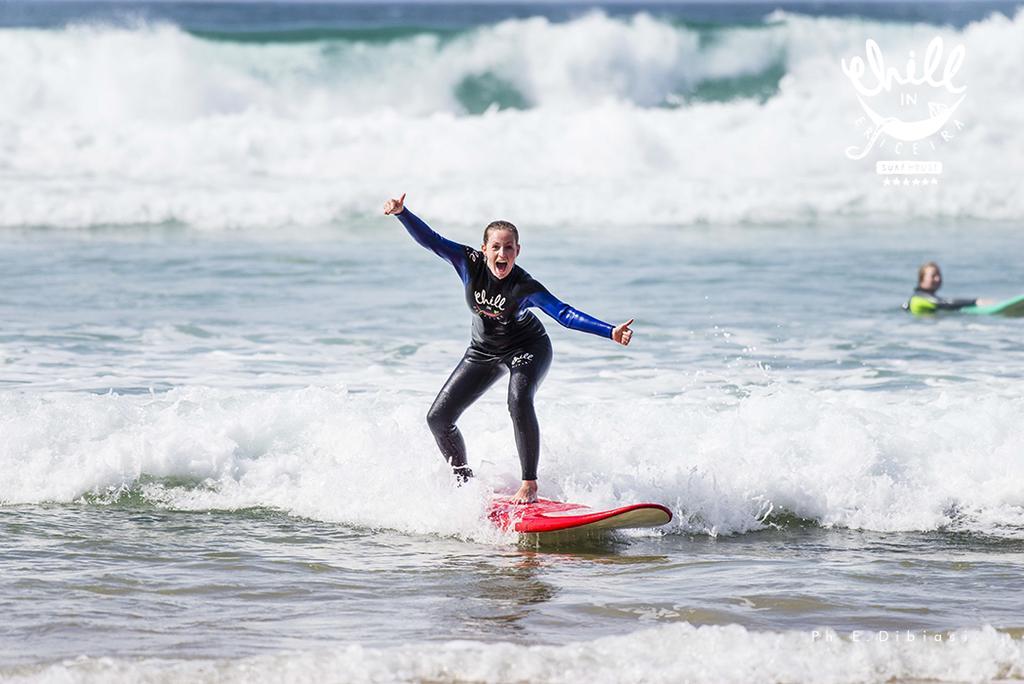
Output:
[[501, 267]]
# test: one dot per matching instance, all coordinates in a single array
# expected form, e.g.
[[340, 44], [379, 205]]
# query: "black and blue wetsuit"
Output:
[[506, 336]]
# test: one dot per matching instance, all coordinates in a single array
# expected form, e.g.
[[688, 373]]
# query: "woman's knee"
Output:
[[520, 401], [439, 419]]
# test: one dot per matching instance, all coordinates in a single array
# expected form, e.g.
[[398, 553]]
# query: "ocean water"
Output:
[[217, 355]]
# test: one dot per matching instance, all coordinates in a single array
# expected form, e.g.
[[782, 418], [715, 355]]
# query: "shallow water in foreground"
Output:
[[137, 582]]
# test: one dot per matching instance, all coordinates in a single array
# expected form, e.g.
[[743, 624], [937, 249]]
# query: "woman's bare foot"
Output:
[[527, 493], [462, 474]]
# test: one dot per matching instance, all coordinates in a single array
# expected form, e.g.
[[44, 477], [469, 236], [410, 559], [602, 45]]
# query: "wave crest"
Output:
[[847, 460], [599, 120]]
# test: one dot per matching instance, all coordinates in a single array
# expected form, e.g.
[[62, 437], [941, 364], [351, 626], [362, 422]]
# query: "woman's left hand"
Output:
[[622, 334]]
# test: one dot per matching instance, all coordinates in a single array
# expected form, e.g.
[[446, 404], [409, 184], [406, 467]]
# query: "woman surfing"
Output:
[[506, 336]]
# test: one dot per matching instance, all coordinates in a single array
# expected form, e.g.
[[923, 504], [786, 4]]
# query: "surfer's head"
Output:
[[929, 277], [501, 247]]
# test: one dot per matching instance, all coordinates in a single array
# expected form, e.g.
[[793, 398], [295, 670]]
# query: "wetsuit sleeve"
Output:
[[925, 305], [566, 315], [452, 252], [955, 304], [923, 302]]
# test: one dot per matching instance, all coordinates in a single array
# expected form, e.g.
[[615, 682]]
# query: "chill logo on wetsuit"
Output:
[[520, 360], [492, 307]]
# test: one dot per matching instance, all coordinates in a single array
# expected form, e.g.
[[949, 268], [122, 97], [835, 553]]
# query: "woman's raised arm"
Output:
[[577, 320], [452, 252]]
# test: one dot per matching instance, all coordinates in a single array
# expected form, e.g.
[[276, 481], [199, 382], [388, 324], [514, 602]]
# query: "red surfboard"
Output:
[[556, 516]]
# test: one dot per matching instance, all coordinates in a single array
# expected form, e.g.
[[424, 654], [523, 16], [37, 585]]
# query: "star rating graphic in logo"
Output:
[[905, 182]]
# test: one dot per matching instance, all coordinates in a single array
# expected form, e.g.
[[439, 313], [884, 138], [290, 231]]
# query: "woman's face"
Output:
[[930, 279], [500, 251]]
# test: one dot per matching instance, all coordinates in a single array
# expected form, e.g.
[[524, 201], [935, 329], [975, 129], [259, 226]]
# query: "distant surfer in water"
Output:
[[925, 301], [506, 336]]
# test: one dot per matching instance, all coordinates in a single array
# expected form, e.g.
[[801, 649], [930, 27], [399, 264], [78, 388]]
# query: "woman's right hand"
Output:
[[395, 206], [622, 333]]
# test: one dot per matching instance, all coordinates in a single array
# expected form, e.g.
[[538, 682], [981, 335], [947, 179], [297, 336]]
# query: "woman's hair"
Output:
[[925, 267], [500, 225]]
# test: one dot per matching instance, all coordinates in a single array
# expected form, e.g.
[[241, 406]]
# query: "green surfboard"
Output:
[[1013, 308]]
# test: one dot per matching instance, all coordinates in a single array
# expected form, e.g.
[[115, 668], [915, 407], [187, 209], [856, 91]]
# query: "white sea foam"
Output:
[[80, 73], [673, 653], [153, 125], [859, 460]]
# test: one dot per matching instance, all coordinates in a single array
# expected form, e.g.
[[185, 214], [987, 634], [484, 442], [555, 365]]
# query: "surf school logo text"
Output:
[[909, 111], [521, 360], [488, 306]]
